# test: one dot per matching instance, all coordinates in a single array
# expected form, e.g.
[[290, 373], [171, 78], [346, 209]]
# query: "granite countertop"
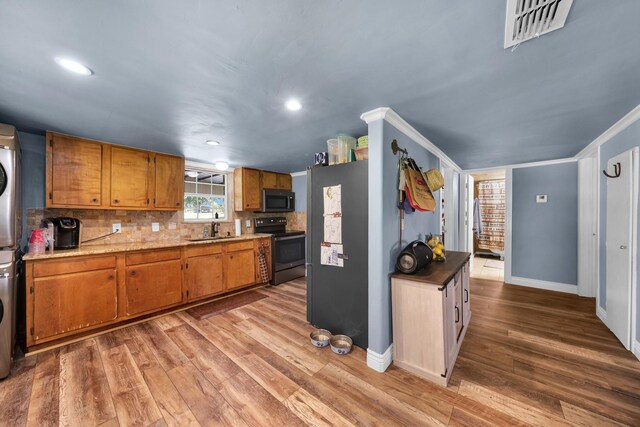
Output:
[[134, 246]]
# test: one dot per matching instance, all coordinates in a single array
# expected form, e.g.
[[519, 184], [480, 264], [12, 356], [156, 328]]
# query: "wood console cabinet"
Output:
[[431, 313], [82, 173], [70, 295], [249, 183]]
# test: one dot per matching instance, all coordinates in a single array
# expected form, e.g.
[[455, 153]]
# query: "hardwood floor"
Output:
[[530, 357]]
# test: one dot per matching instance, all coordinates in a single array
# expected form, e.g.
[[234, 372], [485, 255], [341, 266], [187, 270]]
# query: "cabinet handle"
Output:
[[177, 203], [466, 295], [116, 201], [133, 273], [457, 314], [110, 277], [94, 200]]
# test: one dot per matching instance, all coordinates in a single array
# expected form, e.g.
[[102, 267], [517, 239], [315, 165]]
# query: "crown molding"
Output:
[[523, 165], [626, 121], [391, 117], [301, 173]]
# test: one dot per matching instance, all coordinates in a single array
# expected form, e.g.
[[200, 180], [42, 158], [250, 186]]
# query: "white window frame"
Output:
[[205, 167]]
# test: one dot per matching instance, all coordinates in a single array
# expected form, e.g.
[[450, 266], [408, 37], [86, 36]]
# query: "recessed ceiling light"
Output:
[[74, 66], [293, 105], [223, 166], [212, 142], [192, 174]]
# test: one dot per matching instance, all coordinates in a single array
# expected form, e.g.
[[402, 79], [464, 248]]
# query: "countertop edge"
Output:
[[420, 277], [134, 246]]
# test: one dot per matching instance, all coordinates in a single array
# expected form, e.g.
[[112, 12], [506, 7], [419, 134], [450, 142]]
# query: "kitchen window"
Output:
[[205, 195]]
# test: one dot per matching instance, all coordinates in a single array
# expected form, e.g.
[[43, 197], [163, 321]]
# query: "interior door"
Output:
[[619, 245], [587, 225], [447, 195], [469, 217]]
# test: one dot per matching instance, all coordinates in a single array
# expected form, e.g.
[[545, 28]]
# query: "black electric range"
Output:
[[287, 248]]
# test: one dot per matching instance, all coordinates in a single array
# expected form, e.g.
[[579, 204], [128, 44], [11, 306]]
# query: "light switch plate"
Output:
[[155, 226], [116, 227], [248, 222], [541, 198]]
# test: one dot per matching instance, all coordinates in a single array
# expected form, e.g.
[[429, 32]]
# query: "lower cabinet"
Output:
[[153, 286], [466, 294], [240, 268], [203, 272]]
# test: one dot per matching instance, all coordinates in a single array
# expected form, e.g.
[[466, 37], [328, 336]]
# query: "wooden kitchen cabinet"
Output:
[[168, 182], [239, 264], [153, 280], [247, 190], [58, 292], [83, 173], [284, 182], [269, 180], [73, 172], [129, 177], [203, 272], [428, 321]]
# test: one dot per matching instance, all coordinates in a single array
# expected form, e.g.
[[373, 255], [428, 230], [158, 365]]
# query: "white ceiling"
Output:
[[171, 74]]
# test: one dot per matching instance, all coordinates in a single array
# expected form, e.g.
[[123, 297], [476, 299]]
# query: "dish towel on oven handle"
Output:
[[262, 261]]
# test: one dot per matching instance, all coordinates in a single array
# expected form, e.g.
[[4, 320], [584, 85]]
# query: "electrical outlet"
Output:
[[155, 226], [541, 198], [116, 227], [248, 222]]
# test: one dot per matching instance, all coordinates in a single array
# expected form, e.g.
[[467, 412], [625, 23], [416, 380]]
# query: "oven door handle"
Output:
[[280, 239]]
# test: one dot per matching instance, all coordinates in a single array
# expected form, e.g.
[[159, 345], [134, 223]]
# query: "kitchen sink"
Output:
[[202, 239]]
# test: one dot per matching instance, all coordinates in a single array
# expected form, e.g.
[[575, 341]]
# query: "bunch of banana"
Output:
[[437, 248]]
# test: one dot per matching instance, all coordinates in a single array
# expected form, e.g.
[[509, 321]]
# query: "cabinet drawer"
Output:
[[152, 256], [239, 246], [201, 250], [72, 265]]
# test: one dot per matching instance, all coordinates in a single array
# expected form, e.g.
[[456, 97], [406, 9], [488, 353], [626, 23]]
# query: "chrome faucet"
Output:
[[215, 228]]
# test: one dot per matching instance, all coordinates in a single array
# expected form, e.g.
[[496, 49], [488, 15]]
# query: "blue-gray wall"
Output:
[[299, 183], [384, 224], [625, 140], [33, 177], [545, 235]]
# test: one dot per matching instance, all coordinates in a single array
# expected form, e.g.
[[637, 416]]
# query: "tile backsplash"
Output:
[[136, 225]]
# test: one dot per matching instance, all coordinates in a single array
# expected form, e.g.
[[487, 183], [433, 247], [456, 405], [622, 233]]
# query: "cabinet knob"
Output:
[[116, 201], [133, 273], [94, 200], [177, 203], [110, 277]]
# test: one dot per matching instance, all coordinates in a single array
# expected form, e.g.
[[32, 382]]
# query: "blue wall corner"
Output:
[[299, 186]]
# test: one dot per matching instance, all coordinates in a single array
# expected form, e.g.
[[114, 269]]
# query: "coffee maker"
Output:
[[66, 231]]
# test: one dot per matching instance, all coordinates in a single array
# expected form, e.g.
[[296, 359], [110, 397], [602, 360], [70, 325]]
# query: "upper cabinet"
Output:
[[249, 183], [89, 174], [74, 168]]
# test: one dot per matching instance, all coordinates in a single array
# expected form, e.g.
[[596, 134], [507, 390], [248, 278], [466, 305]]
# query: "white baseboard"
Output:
[[380, 362], [602, 315], [542, 284], [636, 349]]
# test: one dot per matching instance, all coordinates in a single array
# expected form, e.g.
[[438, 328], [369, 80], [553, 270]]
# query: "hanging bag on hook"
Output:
[[419, 194]]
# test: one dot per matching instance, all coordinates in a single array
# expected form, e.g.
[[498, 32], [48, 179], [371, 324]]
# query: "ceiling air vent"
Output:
[[527, 19]]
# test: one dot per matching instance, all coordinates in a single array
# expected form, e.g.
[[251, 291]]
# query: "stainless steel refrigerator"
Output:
[[337, 297]]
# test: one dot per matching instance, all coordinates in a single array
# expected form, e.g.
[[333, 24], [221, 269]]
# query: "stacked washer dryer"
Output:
[[10, 234]]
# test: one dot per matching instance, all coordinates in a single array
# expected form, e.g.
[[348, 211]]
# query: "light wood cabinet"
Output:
[[428, 320], [129, 178], [89, 174], [73, 172], [203, 276], [58, 296], [169, 181], [247, 192], [71, 295], [154, 284], [249, 183]]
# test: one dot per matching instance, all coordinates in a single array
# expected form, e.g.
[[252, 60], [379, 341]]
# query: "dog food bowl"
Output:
[[320, 337], [341, 344]]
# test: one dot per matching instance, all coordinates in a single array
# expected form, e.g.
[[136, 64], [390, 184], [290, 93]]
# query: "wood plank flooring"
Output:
[[530, 358]]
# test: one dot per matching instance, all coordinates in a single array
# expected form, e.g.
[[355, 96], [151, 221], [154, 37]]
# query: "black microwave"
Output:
[[278, 201]]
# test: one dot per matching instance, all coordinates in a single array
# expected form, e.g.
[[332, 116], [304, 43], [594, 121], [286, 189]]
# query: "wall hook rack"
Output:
[[395, 148], [617, 169]]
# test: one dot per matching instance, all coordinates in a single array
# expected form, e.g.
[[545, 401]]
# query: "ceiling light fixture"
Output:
[[192, 174], [74, 66], [212, 142], [223, 166], [293, 105]]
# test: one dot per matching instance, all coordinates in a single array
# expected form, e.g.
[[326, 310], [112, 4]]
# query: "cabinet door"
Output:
[[240, 268], [203, 276], [457, 309], [247, 189], [129, 178], [269, 180], [153, 286], [449, 323], [169, 182], [74, 171], [466, 295], [284, 181], [69, 302]]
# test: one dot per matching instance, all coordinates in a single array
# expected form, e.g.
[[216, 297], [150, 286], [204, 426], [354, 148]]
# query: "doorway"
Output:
[[488, 218]]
